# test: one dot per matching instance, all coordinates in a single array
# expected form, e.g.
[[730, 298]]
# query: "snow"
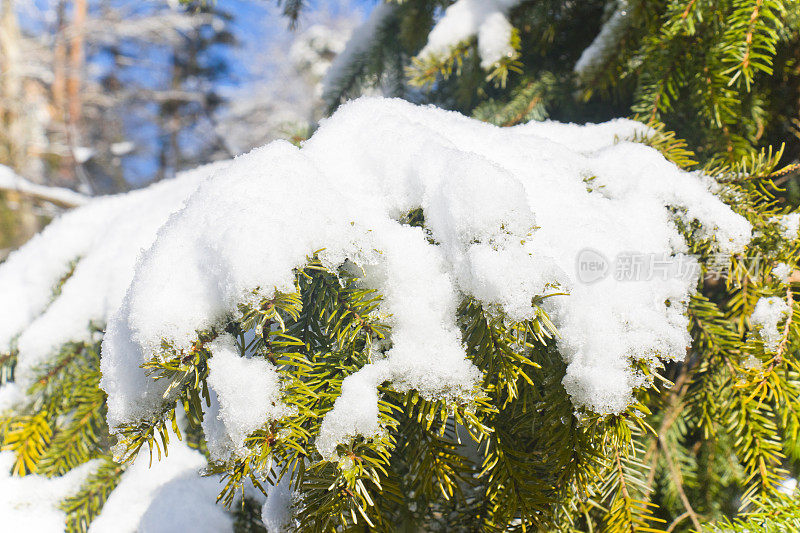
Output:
[[587, 137], [508, 213], [604, 43], [466, 18], [30, 503], [122, 148], [248, 394], [106, 237], [768, 313], [83, 154], [509, 210], [358, 46], [788, 225], [782, 271], [788, 486], [276, 512], [166, 497], [10, 395], [494, 39], [11, 181]]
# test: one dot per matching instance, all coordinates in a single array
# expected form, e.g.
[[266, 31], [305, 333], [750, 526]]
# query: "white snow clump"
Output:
[[789, 225], [467, 18], [509, 211], [247, 394], [782, 271], [768, 313]]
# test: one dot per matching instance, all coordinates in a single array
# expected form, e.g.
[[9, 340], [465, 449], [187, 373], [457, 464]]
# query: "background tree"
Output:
[[723, 75], [106, 96]]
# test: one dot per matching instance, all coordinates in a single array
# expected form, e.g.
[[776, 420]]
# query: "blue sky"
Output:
[[256, 24]]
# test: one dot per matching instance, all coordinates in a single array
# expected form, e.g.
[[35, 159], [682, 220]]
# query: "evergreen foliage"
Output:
[[708, 445], [723, 75]]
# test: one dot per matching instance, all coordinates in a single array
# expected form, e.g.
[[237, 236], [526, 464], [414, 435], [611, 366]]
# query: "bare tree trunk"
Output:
[[74, 97], [13, 148], [76, 59], [60, 64], [12, 135]]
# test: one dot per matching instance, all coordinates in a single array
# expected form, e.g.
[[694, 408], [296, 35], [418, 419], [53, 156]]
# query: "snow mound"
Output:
[[509, 211], [31, 503], [511, 214], [166, 497], [103, 240]]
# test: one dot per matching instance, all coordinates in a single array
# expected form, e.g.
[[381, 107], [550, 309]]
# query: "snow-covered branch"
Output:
[[11, 182]]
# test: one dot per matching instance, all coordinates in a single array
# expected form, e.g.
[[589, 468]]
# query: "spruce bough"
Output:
[[705, 441]]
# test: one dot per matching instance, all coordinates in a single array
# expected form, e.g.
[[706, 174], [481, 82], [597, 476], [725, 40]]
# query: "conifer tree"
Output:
[[722, 75], [706, 440]]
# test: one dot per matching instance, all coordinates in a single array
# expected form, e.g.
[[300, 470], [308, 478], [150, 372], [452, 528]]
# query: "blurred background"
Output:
[[105, 96]]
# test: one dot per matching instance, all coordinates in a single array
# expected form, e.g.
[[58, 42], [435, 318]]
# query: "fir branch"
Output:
[[776, 514], [527, 102], [678, 481], [626, 513], [28, 437], [751, 38], [292, 10], [84, 506], [83, 436]]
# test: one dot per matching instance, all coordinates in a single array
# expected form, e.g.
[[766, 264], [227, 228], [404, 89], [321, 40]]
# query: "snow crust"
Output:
[[467, 18], [508, 213], [768, 313]]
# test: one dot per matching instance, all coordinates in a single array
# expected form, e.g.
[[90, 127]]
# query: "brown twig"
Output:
[[687, 10], [675, 404], [678, 519], [522, 114], [674, 407], [678, 480]]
